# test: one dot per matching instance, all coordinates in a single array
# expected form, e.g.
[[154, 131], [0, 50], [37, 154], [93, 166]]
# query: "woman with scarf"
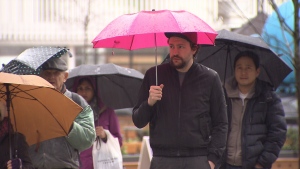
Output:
[[18, 143], [105, 117]]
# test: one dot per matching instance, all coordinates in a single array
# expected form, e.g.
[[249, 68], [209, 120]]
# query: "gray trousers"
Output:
[[198, 162]]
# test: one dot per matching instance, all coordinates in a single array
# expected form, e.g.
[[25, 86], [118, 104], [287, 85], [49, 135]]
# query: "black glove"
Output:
[[16, 163]]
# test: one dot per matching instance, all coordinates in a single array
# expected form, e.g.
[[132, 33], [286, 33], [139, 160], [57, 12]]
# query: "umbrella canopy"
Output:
[[117, 86], [146, 29], [279, 39], [30, 60], [35, 108], [228, 44]]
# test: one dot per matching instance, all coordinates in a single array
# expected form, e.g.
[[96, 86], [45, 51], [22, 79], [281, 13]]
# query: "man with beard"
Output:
[[186, 109]]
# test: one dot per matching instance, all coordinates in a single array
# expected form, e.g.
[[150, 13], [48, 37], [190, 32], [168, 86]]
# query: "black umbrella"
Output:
[[220, 57], [117, 86], [30, 60]]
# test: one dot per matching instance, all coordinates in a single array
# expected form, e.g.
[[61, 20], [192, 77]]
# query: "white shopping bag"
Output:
[[107, 155]]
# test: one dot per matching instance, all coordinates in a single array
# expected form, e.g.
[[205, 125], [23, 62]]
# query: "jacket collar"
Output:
[[233, 91], [259, 88]]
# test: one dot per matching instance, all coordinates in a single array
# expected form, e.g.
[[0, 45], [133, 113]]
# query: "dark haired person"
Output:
[[105, 117], [257, 127], [18, 144], [186, 110]]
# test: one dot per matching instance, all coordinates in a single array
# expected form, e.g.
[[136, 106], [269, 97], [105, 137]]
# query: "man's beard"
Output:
[[179, 66]]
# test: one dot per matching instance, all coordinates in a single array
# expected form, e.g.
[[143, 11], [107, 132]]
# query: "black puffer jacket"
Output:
[[191, 119], [263, 127]]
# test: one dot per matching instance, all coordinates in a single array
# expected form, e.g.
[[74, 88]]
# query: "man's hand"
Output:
[[155, 93], [14, 164], [211, 164], [257, 165]]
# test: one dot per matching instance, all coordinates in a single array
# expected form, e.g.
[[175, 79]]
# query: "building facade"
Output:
[[75, 23]]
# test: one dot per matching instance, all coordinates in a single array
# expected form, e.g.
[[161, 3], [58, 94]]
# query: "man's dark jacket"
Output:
[[189, 120], [263, 127], [18, 143]]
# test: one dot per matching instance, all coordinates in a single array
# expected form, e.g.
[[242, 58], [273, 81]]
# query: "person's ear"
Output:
[[66, 75], [257, 72], [195, 48]]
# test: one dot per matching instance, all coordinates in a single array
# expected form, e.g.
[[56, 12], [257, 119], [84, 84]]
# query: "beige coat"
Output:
[[234, 144]]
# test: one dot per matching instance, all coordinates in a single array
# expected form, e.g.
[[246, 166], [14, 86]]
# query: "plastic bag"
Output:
[[107, 155]]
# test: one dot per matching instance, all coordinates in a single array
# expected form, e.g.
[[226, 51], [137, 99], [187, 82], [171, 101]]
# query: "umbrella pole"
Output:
[[157, 106], [156, 66], [97, 93], [228, 56], [155, 60], [8, 99]]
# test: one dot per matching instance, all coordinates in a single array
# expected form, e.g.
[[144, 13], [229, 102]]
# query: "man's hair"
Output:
[[248, 54], [87, 79], [191, 37]]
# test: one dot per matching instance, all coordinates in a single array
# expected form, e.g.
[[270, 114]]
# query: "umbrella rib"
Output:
[[212, 40], [13, 112], [33, 98], [131, 102], [23, 91], [49, 111], [268, 74], [213, 54], [176, 22], [133, 36], [130, 47]]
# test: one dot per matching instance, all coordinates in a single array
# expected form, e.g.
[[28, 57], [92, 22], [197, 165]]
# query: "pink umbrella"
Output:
[[146, 29]]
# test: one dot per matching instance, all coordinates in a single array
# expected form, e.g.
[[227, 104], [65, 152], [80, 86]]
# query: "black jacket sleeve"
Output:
[[22, 151], [276, 135], [219, 121], [142, 112]]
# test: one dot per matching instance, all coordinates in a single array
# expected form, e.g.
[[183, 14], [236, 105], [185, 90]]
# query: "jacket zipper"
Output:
[[241, 129], [243, 124]]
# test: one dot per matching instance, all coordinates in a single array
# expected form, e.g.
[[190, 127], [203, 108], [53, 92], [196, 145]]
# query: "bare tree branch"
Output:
[[282, 22], [86, 24], [295, 52], [284, 27]]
